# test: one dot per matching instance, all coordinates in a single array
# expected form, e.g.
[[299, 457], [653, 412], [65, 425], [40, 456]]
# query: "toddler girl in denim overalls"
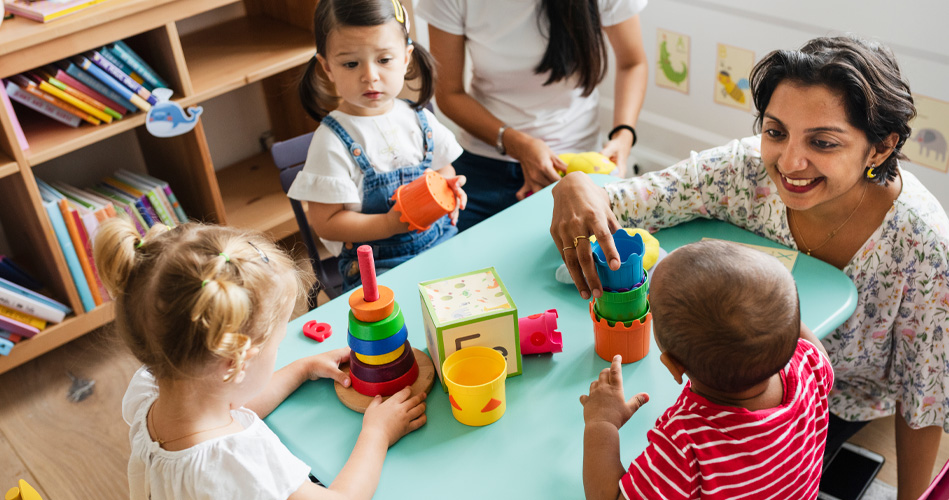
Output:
[[373, 142]]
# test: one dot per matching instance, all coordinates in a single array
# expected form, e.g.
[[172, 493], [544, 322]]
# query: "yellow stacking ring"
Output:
[[380, 359]]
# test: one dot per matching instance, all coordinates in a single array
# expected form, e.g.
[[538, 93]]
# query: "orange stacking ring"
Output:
[[386, 372], [630, 339], [376, 310], [385, 388], [424, 200]]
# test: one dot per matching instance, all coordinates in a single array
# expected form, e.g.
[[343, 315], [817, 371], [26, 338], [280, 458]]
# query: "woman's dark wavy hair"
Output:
[[317, 93], [575, 43], [876, 96]]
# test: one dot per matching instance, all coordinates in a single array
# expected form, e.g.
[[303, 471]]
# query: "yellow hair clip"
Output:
[[399, 11]]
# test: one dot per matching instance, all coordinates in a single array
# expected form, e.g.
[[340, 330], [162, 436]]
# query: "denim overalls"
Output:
[[377, 191]]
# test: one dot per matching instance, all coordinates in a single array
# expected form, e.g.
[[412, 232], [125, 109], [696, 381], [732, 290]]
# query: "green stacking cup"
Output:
[[624, 306]]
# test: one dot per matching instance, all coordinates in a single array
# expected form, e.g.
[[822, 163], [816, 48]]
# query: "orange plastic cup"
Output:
[[424, 200], [629, 339]]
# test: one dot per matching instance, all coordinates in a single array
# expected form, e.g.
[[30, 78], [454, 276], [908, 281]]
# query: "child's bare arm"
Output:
[[333, 222], [605, 410], [290, 377], [809, 336], [383, 425]]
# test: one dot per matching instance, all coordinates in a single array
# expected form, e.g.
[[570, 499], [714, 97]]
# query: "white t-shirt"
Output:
[[251, 464], [392, 140], [505, 41]]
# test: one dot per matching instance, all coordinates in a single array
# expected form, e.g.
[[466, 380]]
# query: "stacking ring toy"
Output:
[[379, 330], [382, 358], [386, 372], [377, 347], [385, 388]]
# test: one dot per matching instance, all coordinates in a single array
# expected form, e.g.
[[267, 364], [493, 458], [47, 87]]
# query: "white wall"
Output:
[[673, 123]]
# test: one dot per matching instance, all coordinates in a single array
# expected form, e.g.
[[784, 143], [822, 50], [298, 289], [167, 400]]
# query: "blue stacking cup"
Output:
[[630, 273]]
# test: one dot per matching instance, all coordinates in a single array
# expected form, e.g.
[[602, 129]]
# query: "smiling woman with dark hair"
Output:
[[823, 177]]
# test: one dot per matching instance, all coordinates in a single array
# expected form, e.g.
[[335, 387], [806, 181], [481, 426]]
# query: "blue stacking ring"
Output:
[[377, 347]]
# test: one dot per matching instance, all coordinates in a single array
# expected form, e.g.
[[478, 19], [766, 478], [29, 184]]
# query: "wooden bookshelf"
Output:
[[7, 166], [254, 198], [270, 43]]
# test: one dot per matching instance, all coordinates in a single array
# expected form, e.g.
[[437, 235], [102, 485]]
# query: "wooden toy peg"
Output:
[[367, 272]]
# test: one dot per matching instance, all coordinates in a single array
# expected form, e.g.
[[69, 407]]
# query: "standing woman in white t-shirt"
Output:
[[533, 94]]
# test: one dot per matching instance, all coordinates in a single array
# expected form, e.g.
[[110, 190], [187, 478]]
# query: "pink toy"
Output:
[[367, 273], [317, 331], [539, 333]]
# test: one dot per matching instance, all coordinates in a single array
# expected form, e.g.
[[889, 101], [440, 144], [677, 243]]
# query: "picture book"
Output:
[[112, 83], [81, 87], [170, 195], [14, 297], [51, 204], [94, 83], [11, 271], [124, 68], [142, 200], [24, 318], [127, 205], [80, 242], [48, 73], [134, 61], [17, 129], [146, 215], [17, 327], [46, 304], [46, 10], [32, 87], [117, 73], [43, 106], [156, 196], [56, 91]]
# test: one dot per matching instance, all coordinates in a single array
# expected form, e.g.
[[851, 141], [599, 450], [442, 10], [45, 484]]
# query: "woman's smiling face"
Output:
[[810, 150]]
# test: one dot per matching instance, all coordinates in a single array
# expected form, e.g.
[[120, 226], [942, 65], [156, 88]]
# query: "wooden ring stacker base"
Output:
[[359, 402], [376, 310]]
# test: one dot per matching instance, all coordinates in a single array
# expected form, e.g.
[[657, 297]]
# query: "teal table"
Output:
[[536, 449]]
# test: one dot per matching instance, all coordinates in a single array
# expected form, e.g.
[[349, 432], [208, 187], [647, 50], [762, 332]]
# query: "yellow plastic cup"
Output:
[[475, 378]]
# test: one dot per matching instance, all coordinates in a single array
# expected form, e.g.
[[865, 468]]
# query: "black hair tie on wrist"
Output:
[[623, 127]]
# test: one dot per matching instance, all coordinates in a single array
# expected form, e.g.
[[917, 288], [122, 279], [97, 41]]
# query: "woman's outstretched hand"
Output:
[[581, 209], [540, 165]]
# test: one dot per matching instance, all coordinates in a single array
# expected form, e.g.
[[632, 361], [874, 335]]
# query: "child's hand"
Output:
[[397, 416], [461, 196], [606, 402], [326, 365], [395, 225]]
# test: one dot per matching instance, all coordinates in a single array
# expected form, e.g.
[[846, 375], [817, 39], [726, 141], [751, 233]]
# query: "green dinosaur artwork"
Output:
[[665, 65]]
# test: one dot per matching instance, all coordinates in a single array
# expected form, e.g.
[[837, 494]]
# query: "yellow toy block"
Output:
[[590, 162]]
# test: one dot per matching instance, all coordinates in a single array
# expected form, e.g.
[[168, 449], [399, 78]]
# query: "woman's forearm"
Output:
[[632, 71]]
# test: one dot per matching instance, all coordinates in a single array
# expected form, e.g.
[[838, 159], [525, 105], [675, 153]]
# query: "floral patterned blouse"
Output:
[[894, 348]]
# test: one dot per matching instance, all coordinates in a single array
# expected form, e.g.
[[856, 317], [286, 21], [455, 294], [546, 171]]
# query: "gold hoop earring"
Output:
[[870, 173]]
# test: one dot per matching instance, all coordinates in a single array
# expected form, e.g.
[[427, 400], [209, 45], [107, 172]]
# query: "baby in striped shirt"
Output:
[[752, 419]]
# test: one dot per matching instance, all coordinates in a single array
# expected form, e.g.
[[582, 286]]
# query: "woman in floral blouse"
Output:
[[823, 177]]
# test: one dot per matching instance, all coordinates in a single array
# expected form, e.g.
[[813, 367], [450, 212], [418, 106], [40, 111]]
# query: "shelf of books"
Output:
[[232, 54], [55, 336], [254, 198]]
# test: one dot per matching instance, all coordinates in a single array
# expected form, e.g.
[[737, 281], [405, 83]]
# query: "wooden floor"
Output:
[[80, 450]]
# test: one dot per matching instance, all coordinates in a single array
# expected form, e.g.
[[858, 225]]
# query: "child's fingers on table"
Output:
[[636, 402], [583, 399], [616, 370]]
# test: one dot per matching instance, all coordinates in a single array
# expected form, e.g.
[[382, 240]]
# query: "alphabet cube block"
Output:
[[468, 310]]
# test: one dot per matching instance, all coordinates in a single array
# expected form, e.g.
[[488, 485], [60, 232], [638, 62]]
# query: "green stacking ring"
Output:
[[377, 330]]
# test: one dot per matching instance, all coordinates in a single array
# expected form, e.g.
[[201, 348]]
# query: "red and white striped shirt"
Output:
[[700, 449]]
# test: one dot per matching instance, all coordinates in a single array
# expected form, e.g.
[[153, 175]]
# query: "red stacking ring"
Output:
[[385, 388], [382, 373]]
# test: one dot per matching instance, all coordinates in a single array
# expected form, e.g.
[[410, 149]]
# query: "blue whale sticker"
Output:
[[167, 119]]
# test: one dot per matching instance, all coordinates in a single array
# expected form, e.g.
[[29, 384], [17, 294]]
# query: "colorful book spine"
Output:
[[73, 231], [130, 57], [36, 297], [31, 87], [87, 225], [86, 99], [99, 115], [81, 87], [22, 317], [126, 80], [18, 327], [41, 105], [141, 201], [17, 129], [27, 305], [127, 205], [169, 194], [124, 68], [112, 83], [157, 199], [12, 337], [93, 83]]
